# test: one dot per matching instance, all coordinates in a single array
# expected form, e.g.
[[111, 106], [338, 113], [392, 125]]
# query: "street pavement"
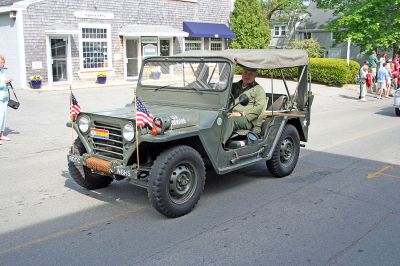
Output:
[[339, 207]]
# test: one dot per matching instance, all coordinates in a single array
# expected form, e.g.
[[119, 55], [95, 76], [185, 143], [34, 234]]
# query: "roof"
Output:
[[318, 18], [151, 30], [208, 30], [256, 58], [8, 2]]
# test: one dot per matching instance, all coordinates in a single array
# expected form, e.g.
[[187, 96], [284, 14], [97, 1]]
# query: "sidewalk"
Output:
[[85, 84]]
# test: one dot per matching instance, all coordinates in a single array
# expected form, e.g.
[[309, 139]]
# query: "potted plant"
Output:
[[101, 77], [36, 82]]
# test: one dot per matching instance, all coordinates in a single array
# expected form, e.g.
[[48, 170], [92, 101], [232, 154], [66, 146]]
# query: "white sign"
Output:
[[93, 14], [37, 65]]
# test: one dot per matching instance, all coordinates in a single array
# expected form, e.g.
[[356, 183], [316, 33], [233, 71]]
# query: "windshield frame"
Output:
[[199, 60]]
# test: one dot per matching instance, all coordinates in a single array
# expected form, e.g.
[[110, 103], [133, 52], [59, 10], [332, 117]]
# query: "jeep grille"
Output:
[[112, 147]]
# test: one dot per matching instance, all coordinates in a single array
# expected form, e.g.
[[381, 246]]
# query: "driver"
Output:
[[244, 117]]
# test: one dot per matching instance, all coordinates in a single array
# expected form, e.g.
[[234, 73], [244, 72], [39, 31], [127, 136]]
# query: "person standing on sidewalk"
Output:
[[382, 78], [363, 80], [4, 97], [373, 63]]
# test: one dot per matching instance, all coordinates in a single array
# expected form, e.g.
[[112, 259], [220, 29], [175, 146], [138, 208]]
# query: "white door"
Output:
[[59, 59], [132, 58]]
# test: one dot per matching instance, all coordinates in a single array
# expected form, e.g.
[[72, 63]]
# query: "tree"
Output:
[[272, 6], [250, 25], [312, 47], [369, 23]]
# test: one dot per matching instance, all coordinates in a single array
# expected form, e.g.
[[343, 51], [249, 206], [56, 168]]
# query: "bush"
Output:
[[333, 71], [312, 47], [329, 71]]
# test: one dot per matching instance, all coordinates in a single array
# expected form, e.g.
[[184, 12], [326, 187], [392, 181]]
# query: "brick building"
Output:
[[66, 41]]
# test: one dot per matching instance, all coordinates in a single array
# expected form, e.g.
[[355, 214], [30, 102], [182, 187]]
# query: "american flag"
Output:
[[143, 115], [75, 108]]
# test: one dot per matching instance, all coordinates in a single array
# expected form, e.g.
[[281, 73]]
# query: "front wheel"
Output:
[[176, 181], [397, 110], [286, 153]]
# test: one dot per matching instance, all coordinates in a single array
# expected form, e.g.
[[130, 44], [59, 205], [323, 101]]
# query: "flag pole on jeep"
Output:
[[136, 128]]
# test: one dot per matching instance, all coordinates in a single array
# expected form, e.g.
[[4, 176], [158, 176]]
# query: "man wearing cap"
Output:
[[244, 117]]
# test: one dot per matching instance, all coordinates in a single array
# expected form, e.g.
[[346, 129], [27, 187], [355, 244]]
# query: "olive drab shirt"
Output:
[[257, 100]]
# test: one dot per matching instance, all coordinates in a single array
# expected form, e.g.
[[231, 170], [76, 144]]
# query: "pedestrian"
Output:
[[382, 59], [373, 63], [382, 78], [363, 80], [4, 97]]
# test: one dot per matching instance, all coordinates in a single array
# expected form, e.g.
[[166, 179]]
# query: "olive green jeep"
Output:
[[189, 98]]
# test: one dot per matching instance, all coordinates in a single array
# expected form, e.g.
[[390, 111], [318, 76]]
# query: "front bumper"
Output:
[[103, 166]]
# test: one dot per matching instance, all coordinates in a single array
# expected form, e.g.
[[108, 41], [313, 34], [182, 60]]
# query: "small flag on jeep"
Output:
[[143, 115], [74, 108]]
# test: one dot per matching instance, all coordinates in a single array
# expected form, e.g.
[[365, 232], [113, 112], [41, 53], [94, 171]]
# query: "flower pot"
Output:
[[36, 84], [101, 80]]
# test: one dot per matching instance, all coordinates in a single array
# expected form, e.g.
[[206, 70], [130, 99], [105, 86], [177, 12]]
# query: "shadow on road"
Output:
[[348, 97], [387, 111], [325, 191]]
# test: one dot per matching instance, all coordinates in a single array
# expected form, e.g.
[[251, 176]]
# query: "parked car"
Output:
[[396, 104], [190, 105]]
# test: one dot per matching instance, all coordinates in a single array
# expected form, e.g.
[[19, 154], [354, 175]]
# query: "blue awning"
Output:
[[208, 30]]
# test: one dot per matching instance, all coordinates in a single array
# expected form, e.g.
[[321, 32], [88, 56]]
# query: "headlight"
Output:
[[128, 132], [84, 123]]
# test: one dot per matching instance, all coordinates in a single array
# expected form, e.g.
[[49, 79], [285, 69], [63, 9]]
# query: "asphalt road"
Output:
[[340, 206]]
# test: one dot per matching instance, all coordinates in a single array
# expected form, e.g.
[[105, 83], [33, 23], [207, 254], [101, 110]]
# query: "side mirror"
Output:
[[243, 100]]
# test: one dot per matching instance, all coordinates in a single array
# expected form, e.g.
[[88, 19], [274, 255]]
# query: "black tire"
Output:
[[286, 153], [83, 175], [176, 181], [397, 110]]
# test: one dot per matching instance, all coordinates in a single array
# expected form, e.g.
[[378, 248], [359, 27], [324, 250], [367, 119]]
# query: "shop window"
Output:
[[95, 47], [193, 43], [216, 44]]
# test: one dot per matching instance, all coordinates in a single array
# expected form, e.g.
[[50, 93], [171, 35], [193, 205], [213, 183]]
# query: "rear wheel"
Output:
[[176, 181], [83, 175], [397, 110], [286, 153]]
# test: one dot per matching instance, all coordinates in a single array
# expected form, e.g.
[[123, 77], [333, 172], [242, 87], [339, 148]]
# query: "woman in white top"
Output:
[[4, 97]]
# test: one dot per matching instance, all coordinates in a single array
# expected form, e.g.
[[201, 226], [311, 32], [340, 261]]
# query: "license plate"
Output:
[[99, 133], [75, 159]]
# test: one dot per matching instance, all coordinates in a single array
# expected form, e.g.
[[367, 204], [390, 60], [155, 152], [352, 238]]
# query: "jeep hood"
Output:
[[180, 117]]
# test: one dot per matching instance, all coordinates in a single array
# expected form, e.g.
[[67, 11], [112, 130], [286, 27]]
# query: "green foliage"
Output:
[[312, 47], [272, 6], [333, 71], [329, 71], [250, 25], [102, 74], [370, 24]]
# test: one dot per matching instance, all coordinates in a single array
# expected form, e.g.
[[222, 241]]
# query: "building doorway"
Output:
[[59, 59], [165, 50], [132, 58]]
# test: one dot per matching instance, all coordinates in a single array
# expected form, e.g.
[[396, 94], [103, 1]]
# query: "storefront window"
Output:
[[216, 44], [95, 48], [193, 43]]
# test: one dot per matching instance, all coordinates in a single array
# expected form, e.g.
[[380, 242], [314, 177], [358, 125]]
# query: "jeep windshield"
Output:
[[185, 75]]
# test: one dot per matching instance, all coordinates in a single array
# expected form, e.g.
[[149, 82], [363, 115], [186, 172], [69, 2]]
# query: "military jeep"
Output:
[[189, 97]]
